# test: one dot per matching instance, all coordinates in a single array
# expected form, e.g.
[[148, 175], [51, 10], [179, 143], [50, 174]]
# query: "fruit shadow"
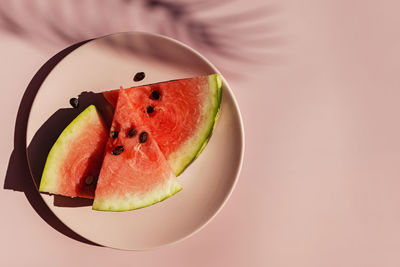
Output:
[[18, 176], [48, 133]]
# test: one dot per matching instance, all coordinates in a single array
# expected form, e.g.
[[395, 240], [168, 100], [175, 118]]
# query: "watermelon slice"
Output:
[[180, 115], [74, 161], [134, 173]]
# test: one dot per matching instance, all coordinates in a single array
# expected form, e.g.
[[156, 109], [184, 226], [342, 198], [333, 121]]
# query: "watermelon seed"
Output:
[[89, 180], [114, 134], [74, 102], [150, 109], [139, 76], [118, 150], [132, 132], [143, 137], [155, 95]]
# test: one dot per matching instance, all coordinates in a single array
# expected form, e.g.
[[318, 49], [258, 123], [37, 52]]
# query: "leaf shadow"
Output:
[[232, 35]]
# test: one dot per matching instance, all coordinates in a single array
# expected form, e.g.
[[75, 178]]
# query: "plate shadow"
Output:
[[18, 175]]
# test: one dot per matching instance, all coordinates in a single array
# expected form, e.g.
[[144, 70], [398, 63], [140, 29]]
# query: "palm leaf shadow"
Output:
[[218, 36]]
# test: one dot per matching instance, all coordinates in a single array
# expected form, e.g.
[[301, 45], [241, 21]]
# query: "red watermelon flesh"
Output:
[[74, 161], [134, 173], [182, 114]]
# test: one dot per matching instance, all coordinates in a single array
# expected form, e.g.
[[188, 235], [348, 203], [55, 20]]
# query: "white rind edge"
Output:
[[163, 191]]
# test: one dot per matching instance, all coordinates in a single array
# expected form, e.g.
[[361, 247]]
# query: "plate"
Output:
[[106, 63]]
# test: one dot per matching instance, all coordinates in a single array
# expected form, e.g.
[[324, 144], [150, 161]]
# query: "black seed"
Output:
[[118, 150], [139, 76], [114, 134], [150, 109], [143, 137], [89, 180], [74, 102], [132, 132], [155, 95]]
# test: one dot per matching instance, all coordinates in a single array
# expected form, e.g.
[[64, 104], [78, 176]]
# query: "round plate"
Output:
[[106, 63]]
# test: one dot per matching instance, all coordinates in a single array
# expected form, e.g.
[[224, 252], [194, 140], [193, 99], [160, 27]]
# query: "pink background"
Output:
[[318, 86]]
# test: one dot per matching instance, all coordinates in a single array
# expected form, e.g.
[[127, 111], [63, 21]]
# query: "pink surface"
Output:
[[319, 185]]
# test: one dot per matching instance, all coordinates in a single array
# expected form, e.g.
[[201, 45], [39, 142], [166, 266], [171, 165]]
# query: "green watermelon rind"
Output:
[[219, 92], [49, 182], [195, 148], [138, 201]]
